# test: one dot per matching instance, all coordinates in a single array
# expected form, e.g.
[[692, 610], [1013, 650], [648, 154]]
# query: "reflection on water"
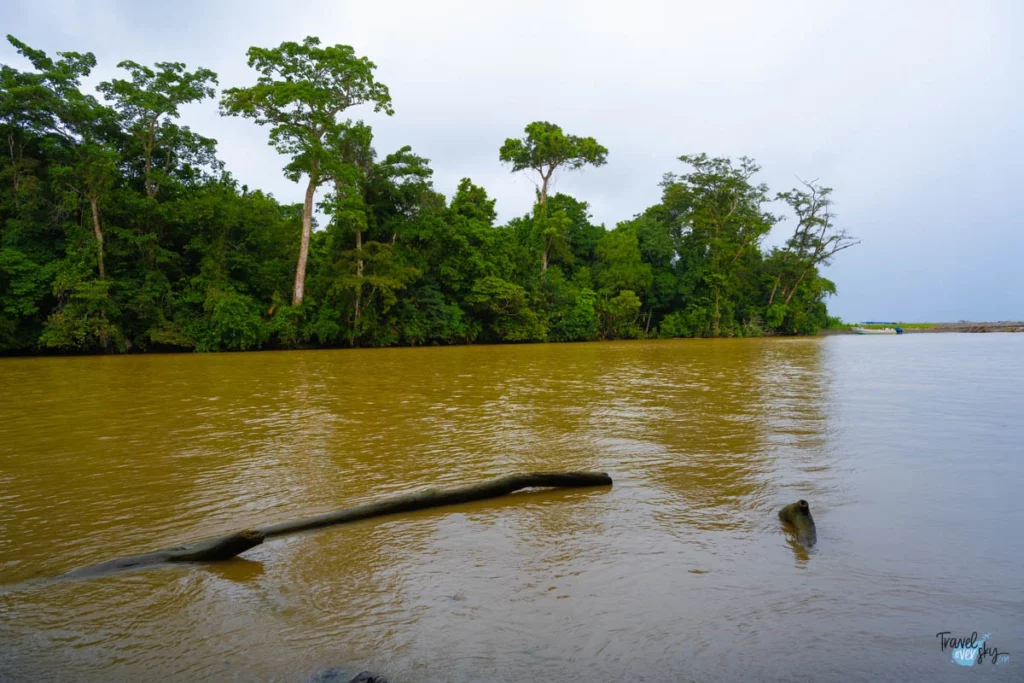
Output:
[[907, 449]]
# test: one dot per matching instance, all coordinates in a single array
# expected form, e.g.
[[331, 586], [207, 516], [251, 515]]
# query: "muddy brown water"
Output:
[[910, 450]]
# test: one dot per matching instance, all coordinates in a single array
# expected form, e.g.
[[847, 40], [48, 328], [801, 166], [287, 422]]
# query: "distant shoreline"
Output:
[[964, 326]]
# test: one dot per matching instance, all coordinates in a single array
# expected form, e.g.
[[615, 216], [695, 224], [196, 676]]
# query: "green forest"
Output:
[[121, 231]]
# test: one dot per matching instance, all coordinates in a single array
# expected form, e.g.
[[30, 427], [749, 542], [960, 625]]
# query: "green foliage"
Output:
[[620, 316], [84, 321], [285, 324], [120, 230], [24, 285], [546, 148], [147, 105], [505, 307], [620, 265], [301, 89], [428, 317], [580, 322], [232, 322], [717, 222]]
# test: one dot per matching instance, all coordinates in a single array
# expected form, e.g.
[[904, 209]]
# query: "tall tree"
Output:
[[149, 102], [301, 90], [372, 202], [544, 150], [814, 242], [718, 219], [348, 164], [78, 125]]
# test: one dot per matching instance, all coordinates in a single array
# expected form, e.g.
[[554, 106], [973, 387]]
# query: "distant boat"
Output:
[[884, 330]]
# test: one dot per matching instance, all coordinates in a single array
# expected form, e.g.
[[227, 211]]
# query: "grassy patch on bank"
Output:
[[905, 326]]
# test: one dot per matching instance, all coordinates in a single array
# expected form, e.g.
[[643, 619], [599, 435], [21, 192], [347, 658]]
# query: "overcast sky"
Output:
[[912, 111]]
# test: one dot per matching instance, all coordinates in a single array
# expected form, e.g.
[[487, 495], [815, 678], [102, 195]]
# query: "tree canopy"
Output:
[[546, 148], [122, 231]]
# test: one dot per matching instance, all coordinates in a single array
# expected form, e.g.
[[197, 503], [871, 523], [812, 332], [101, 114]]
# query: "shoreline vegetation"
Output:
[[121, 230]]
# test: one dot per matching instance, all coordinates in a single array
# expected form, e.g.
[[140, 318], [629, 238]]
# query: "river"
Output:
[[908, 448]]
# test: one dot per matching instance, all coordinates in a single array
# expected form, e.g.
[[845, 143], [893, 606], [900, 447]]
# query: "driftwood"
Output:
[[226, 547], [798, 516]]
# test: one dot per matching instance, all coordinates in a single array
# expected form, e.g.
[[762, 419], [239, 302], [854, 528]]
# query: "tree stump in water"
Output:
[[798, 516]]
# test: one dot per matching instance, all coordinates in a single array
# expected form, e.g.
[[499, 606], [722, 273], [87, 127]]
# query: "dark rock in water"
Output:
[[798, 516], [367, 677], [335, 675]]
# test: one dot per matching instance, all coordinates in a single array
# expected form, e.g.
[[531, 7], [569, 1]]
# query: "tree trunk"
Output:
[[307, 229], [795, 285], [359, 288], [226, 547], [150, 192], [148, 147], [774, 289], [544, 216], [718, 315], [15, 163], [359, 252], [94, 205], [358, 270]]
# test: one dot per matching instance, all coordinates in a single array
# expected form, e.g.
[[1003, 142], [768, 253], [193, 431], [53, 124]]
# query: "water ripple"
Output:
[[908, 449]]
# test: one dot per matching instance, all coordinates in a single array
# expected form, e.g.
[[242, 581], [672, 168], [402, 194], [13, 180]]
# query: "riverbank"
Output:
[[962, 326]]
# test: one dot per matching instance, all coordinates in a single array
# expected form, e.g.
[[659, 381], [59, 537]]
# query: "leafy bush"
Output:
[[620, 315], [232, 322]]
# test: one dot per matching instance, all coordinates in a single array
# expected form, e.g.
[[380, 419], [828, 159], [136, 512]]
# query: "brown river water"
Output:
[[908, 448]]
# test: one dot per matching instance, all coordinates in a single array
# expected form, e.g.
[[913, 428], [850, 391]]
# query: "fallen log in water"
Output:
[[226, 547], [431, 498], [210, 550]]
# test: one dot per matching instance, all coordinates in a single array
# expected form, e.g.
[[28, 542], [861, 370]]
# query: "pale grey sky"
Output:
[[911, 110]]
